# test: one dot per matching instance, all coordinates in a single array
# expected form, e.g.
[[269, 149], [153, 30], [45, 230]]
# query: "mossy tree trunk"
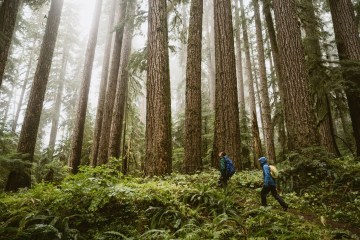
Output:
[[8, 14], [318, 77], [22, 177], [299, 116], [348, 45]]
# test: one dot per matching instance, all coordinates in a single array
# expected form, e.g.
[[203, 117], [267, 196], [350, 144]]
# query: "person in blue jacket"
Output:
[[269, 185], [223, 174]]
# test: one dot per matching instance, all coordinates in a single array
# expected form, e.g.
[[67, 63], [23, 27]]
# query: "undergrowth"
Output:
[[101, 203]]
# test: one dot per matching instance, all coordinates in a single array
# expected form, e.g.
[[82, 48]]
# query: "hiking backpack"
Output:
[[273, 171], [229, 165]]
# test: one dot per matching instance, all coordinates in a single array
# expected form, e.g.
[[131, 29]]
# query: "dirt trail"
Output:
[[312, 217]]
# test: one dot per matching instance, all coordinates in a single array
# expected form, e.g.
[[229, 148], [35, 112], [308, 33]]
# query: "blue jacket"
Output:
[[268, 180]]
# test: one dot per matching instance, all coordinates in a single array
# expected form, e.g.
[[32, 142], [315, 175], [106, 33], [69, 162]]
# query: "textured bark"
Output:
[[299, 117], [318, 78], [57, 104], [348, 45], [257, 150], [226, 129], [8, 14], [277, 64], [111, 88], [158, 102], [103, 85], [27, 140], [78, 131], [192, 160], [122, 86], [265, 102]]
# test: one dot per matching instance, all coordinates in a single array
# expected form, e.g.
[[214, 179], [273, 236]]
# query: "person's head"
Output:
[[222, 154], [262, 160]]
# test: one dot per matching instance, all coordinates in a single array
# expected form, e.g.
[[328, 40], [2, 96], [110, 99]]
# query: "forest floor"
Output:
[[100, 203]]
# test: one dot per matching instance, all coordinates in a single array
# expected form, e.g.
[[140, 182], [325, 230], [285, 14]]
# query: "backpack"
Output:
[[229, 165], [273, 171]]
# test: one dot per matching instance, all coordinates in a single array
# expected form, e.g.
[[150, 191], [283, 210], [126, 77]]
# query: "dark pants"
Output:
[[223, 180], [272, 189]]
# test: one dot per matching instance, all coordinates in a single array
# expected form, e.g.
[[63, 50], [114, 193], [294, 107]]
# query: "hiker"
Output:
[[227, 169], [269, 185]]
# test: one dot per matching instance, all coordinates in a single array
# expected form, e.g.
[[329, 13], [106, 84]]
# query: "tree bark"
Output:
[[111, 88], [8, 14], [299, 117], [318, 78], [57, 104], [348, 45], [122, 86], [226, 129], [78, 131], [279, 79], [103, 85], [27, 141], [257, 149], [265, 102], [158, 106], [193, 124]]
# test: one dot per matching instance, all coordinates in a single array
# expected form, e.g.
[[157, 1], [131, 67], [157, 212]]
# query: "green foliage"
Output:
[[101, 203]]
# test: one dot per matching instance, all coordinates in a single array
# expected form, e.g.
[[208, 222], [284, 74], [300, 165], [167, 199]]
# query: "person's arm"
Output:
[[222, 166]]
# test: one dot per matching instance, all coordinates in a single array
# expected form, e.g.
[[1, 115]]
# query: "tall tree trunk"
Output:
[[209, 25], [318, 78], [158, 105], [103, 85], [23, 88], [277, 64], [299, 117], [78, 131], [239, 65], [257, 150], [111, 88], [8, 14], [348, 45], [227, 128], [192, 160], [57, 104], [268, 126], [27, 141], [244, 132], [122, 86]]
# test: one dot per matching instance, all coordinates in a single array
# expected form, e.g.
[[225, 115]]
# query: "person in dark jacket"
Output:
[[269, 185], [223, 174]]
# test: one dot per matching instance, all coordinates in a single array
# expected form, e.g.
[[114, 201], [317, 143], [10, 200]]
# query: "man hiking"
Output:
[[269, 185]]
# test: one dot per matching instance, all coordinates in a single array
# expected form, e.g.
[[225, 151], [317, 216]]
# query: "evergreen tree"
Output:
[[158, 103], [192, 160]]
